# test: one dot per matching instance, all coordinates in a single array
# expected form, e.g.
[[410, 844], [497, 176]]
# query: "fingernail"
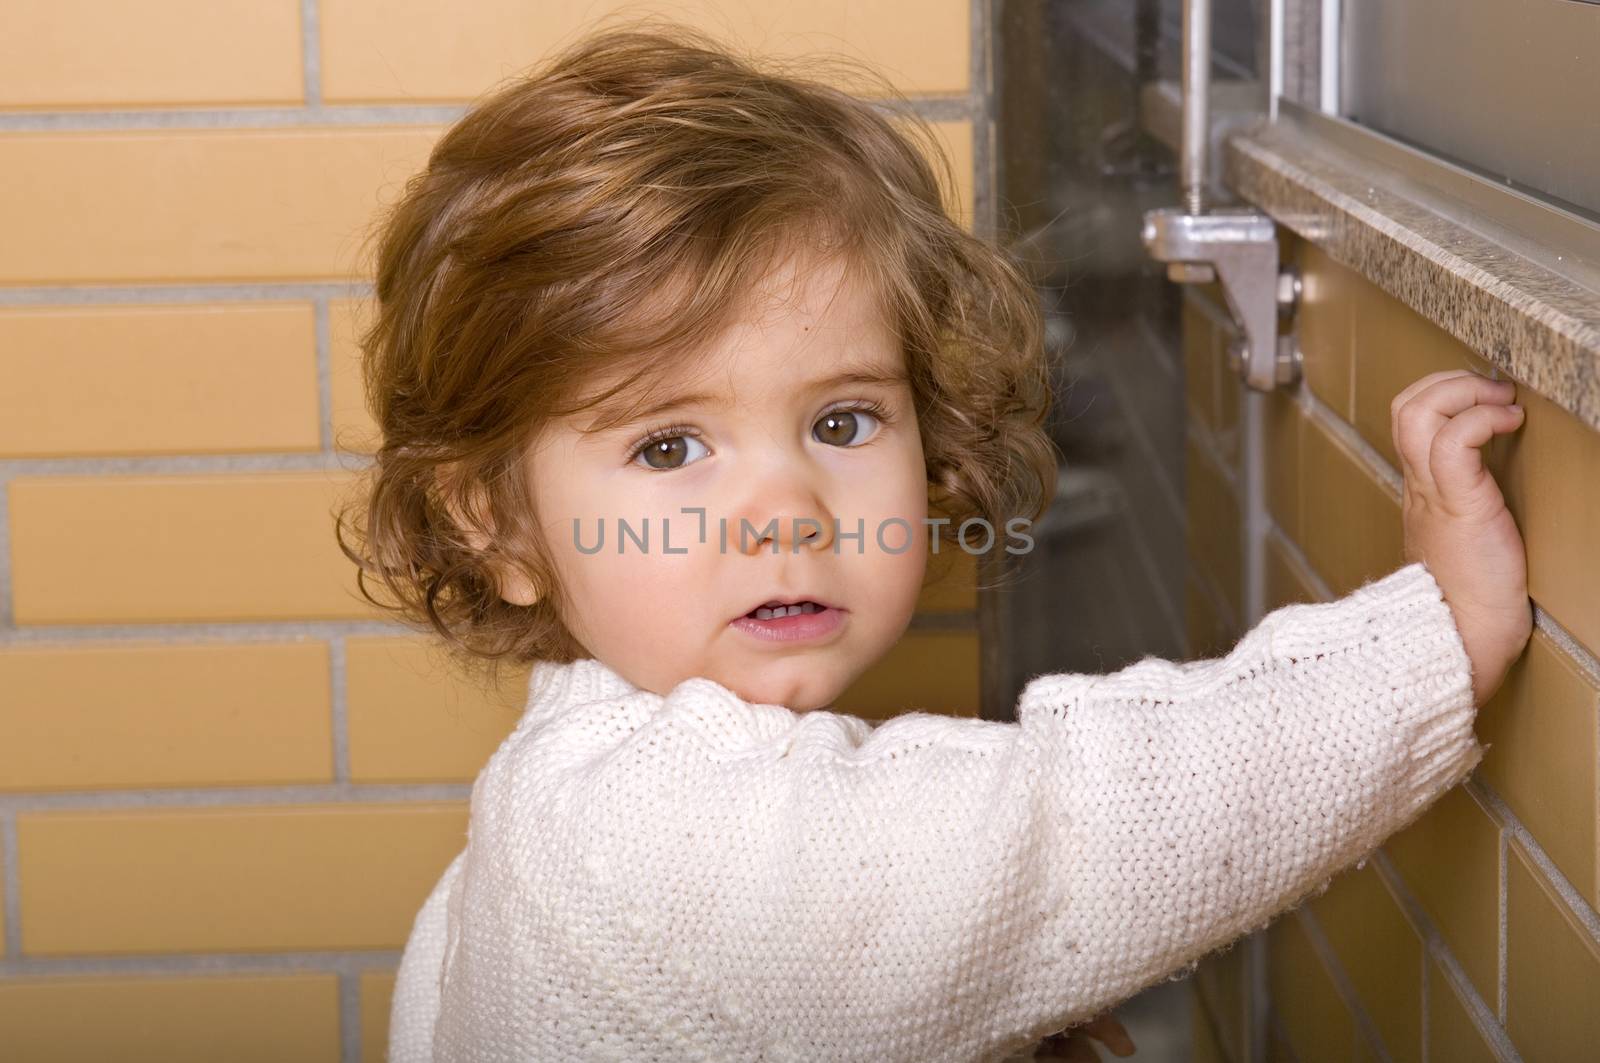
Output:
[[1514, 406]]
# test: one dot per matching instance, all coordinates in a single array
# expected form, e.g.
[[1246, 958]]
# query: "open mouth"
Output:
[[774, 611], [777, 621]]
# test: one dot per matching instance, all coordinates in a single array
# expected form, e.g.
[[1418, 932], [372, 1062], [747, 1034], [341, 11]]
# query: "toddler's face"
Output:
[[773, 440]]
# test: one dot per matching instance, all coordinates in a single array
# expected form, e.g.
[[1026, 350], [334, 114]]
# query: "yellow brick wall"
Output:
[[225, 783], [1473, 933]]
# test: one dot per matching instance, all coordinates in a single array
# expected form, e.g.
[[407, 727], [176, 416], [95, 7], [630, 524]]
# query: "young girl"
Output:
[[683, 374]]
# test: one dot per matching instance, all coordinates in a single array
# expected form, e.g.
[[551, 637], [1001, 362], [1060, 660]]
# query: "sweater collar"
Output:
[[553, 685]]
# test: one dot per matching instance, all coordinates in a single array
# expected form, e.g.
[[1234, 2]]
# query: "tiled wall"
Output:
[[1473, 934], [225, 784]]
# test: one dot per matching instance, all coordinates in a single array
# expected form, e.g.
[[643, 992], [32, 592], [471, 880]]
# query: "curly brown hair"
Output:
[[650, 160]]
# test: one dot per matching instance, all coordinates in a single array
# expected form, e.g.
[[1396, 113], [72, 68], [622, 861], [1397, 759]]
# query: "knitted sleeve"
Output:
[[739, 881]]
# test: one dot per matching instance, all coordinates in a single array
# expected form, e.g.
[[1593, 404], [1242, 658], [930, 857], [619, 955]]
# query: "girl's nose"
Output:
[[788, 533], [786, 511]]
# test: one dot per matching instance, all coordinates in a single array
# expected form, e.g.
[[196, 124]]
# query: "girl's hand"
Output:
[[1073, 1045], [1456, 521]]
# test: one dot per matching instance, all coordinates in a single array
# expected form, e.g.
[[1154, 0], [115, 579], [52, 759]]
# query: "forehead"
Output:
[[807, 319]]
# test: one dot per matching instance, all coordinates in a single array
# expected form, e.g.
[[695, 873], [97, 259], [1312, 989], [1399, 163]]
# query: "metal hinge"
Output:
[[1236, 248]]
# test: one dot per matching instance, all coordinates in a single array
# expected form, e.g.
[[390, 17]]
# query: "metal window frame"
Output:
[[1562, 241]]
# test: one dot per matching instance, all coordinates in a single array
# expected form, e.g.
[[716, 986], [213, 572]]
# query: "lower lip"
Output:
[[800, 627]]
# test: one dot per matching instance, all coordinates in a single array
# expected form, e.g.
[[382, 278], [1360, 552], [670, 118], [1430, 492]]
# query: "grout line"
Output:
[[1157, 345], [324, 374], [200, 633], [1195, 431], [1257, 1003], [7, 611], [1500, 930], [1271, 1021], [349, 1017], [1147, 561], [1427, 988], [981, 105], [234, 797], [311, 52], [1434, 947], [1298, 559], [230, 119], [1213, 312], [340, 723], [934, 108], [10, 887], [1209, 1013], [1146, 445], [1219, 602], [1581, 656], [1577, 905], [1345, 433], [351, 962], [1341, 981], [179, 294], [184, 464]]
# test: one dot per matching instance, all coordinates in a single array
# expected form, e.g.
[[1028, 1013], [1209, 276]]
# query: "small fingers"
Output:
[[1422, 409], [1425, 382], [1454, 460]]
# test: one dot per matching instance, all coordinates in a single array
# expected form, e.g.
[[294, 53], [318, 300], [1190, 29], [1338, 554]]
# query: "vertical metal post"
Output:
[[1196, 103]]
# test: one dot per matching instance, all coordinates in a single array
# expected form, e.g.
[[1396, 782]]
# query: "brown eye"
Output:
[[840, 427], [668, 452]]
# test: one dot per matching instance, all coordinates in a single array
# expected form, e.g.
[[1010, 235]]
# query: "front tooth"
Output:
[[783, 610]]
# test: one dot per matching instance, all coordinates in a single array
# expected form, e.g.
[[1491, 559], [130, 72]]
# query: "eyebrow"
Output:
[[866, 374]]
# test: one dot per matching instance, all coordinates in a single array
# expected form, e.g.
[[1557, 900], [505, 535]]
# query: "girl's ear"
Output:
[[512, 585]]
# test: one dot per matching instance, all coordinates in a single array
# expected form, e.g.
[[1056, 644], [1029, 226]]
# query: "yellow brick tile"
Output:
[[1381, 955], [229, 879], [204, 205], [80, 53], [1557, 508], [1283, 430], [1210, 633], [1204, 1040], [377, 992], [176, 1019], [926, 671], [87, 716], [353, 427], [955, 140], [1351, 531], [1450, 860], [1394, 347], [246, 546], [952, 579], [1541, 730], [1286, 583], [1230, 392], [1212, 528], [1452, 1037], [413, 718], [1224, 985], [1199, 361], [157, 380], [412, 50], [1314, 1019], [1323, 320], [1278, 1048], [1552, 971]]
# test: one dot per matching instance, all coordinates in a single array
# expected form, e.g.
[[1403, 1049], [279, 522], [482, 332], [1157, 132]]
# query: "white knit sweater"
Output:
[[695, 877]]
